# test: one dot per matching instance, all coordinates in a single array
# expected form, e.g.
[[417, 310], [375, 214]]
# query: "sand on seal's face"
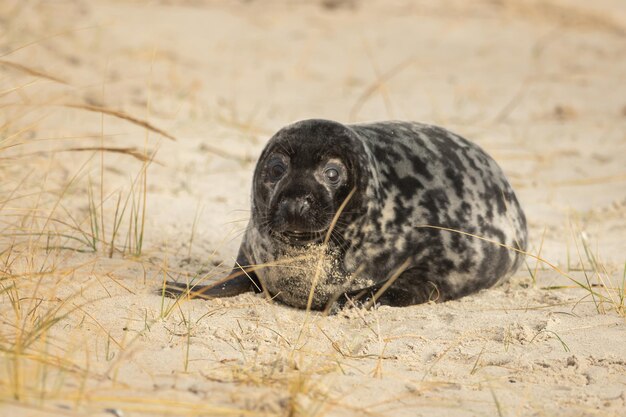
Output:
[[291, 277]]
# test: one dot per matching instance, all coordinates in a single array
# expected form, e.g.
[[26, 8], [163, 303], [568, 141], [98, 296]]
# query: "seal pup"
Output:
[[403, 212]]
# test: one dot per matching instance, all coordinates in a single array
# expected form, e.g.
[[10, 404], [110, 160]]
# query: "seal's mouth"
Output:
[[300, 237]]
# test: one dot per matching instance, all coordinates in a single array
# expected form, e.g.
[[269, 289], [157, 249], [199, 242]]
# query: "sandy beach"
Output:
[[129, 133]]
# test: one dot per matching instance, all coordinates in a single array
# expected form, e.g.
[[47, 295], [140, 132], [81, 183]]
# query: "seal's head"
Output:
[[304, 174]]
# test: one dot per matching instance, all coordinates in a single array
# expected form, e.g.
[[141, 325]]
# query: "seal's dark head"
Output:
[[303, 176]]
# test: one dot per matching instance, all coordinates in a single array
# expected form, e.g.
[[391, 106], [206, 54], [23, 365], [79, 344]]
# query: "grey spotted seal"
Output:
[[404, 212]]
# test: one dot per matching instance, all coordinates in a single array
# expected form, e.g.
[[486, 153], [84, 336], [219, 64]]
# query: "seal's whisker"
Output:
[[341, 244]]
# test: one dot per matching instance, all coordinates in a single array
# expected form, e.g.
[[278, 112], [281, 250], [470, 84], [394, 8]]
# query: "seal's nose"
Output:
[[297, 207], [295, 213]]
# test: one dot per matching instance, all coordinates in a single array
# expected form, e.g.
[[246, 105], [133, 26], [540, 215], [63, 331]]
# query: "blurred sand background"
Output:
[[99, 203]]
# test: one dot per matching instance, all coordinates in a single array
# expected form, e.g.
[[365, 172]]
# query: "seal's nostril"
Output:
[[304, 206]]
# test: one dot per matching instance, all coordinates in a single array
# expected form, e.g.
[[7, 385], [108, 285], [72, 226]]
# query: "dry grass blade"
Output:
[[32, 71], [126, 151], [536, 55], [45, 38], [388, 284], [589, 181], [371, 89], [17, 88], [587, 286], [120, 115], [227, 155], [318, 269]]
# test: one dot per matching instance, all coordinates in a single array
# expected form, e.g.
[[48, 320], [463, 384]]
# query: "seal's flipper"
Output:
[[239, 281], [233, 285]]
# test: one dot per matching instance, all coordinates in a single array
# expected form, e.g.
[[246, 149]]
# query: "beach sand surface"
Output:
[[129, 133]]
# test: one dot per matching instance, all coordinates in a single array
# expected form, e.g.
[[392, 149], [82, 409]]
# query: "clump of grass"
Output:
[[28, 315], [607, 293], [129, 209], [41, 235]]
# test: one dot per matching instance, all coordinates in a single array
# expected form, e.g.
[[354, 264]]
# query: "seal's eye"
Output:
[[277, 169], [332, 175]]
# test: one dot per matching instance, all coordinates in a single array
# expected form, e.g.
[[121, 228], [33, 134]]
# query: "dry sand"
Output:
[[539, 84]]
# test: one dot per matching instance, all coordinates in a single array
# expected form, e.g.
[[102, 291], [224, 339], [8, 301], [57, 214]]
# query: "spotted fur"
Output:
[[425, 200]]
